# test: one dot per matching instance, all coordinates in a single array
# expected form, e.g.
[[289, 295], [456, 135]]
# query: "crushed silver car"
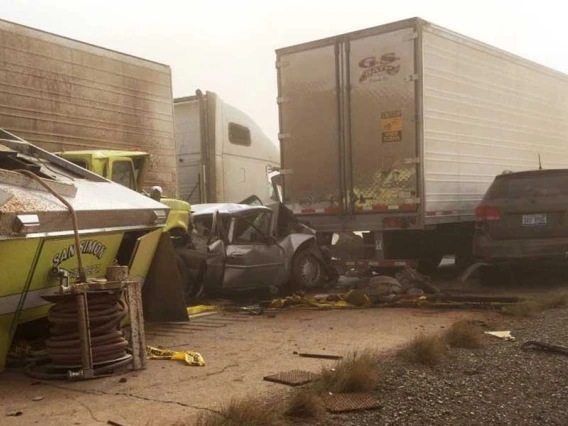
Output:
[[252, 246]]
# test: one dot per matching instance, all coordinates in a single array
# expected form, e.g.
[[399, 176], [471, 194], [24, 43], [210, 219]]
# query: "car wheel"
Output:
[[307, 270]]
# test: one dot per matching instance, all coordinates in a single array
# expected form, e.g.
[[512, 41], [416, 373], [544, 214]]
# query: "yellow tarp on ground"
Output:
[[199, 309], [190, 357], [300, 301]]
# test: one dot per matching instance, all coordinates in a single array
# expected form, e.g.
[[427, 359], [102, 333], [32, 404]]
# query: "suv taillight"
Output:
[[487, 214]]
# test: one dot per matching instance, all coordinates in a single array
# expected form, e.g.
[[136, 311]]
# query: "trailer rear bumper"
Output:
[[387, 221]]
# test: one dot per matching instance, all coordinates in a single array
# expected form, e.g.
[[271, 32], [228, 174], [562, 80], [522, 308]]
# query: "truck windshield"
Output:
[[122, 173]]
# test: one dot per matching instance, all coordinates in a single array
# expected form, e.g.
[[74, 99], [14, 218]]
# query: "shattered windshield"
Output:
[[251, 227]]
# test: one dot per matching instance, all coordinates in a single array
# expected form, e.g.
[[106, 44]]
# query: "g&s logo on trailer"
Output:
[[379, 69]]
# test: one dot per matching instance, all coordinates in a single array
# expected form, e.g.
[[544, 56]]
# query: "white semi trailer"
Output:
[[398, 130]]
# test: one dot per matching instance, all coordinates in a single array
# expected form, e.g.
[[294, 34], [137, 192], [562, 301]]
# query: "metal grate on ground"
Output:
[[346, 402], [292, 377], [210, 321]]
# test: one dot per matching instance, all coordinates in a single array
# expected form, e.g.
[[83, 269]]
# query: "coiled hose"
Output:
[[106, 312]]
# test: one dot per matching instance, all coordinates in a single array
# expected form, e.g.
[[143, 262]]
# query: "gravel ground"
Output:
[[499, 384]]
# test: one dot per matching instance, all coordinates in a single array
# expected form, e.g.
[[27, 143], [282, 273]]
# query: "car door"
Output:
[[253, 258]]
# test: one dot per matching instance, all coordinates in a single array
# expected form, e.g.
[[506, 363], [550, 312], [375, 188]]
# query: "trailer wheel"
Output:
[[307, 270]]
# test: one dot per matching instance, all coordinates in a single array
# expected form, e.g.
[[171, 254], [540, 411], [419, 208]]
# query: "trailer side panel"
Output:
[[61, 95], [485, 111]]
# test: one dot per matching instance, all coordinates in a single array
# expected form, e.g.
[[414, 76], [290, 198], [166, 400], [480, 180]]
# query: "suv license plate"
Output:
[[534, 219]]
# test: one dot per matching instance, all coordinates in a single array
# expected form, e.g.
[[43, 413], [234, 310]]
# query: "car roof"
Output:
[[225, 208], [529, 173]]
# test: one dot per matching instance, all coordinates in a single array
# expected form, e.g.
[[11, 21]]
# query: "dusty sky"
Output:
[[228, 46]]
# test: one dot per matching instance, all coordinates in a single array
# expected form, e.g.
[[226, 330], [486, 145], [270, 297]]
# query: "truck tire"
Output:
[[428, 265], [307, 270]]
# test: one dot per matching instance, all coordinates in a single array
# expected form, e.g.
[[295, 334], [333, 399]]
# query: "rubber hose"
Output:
[[106, 311]]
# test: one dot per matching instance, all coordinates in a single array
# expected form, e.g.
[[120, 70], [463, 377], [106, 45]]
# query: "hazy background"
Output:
[[228, 46]]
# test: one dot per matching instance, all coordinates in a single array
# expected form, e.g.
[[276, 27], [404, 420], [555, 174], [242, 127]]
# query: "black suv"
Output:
[[523, 217]]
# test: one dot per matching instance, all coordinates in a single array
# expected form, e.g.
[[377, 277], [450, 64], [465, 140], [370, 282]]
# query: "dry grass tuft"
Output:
[[305, 404], [354, 373], [527, 309], [555, 299], [463, 334], [424, 349], [245, 412]]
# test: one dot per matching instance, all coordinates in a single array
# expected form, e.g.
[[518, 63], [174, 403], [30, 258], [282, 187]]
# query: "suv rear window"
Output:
[[530, 185]]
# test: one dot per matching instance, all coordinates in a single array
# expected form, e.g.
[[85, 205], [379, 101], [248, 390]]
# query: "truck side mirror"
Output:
[[156, 193]]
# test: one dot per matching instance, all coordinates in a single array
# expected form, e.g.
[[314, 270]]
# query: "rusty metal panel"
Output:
[[382, 121], [61, 94], [309, 128]]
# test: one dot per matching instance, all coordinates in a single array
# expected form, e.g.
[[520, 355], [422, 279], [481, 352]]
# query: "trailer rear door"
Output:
[[309, 130], [348, 126], [382, 122]]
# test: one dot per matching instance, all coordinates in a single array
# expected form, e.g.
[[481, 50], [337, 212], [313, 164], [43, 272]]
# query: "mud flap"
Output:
[[163, 293]]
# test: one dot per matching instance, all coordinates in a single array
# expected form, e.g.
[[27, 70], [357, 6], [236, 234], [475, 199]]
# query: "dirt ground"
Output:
[[239, 351]]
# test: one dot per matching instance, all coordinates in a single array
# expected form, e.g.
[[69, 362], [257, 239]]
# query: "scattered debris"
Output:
[[320, 356], [415, 292], [113, 423], [505, 335], [346, 402], [14, 413], [190, 357], [409, 278], [347, 281], [249, 310], [302, 301], [547, 347], [292, 377], [357, 298], [383, 285], [122, 380], [37, 398]]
